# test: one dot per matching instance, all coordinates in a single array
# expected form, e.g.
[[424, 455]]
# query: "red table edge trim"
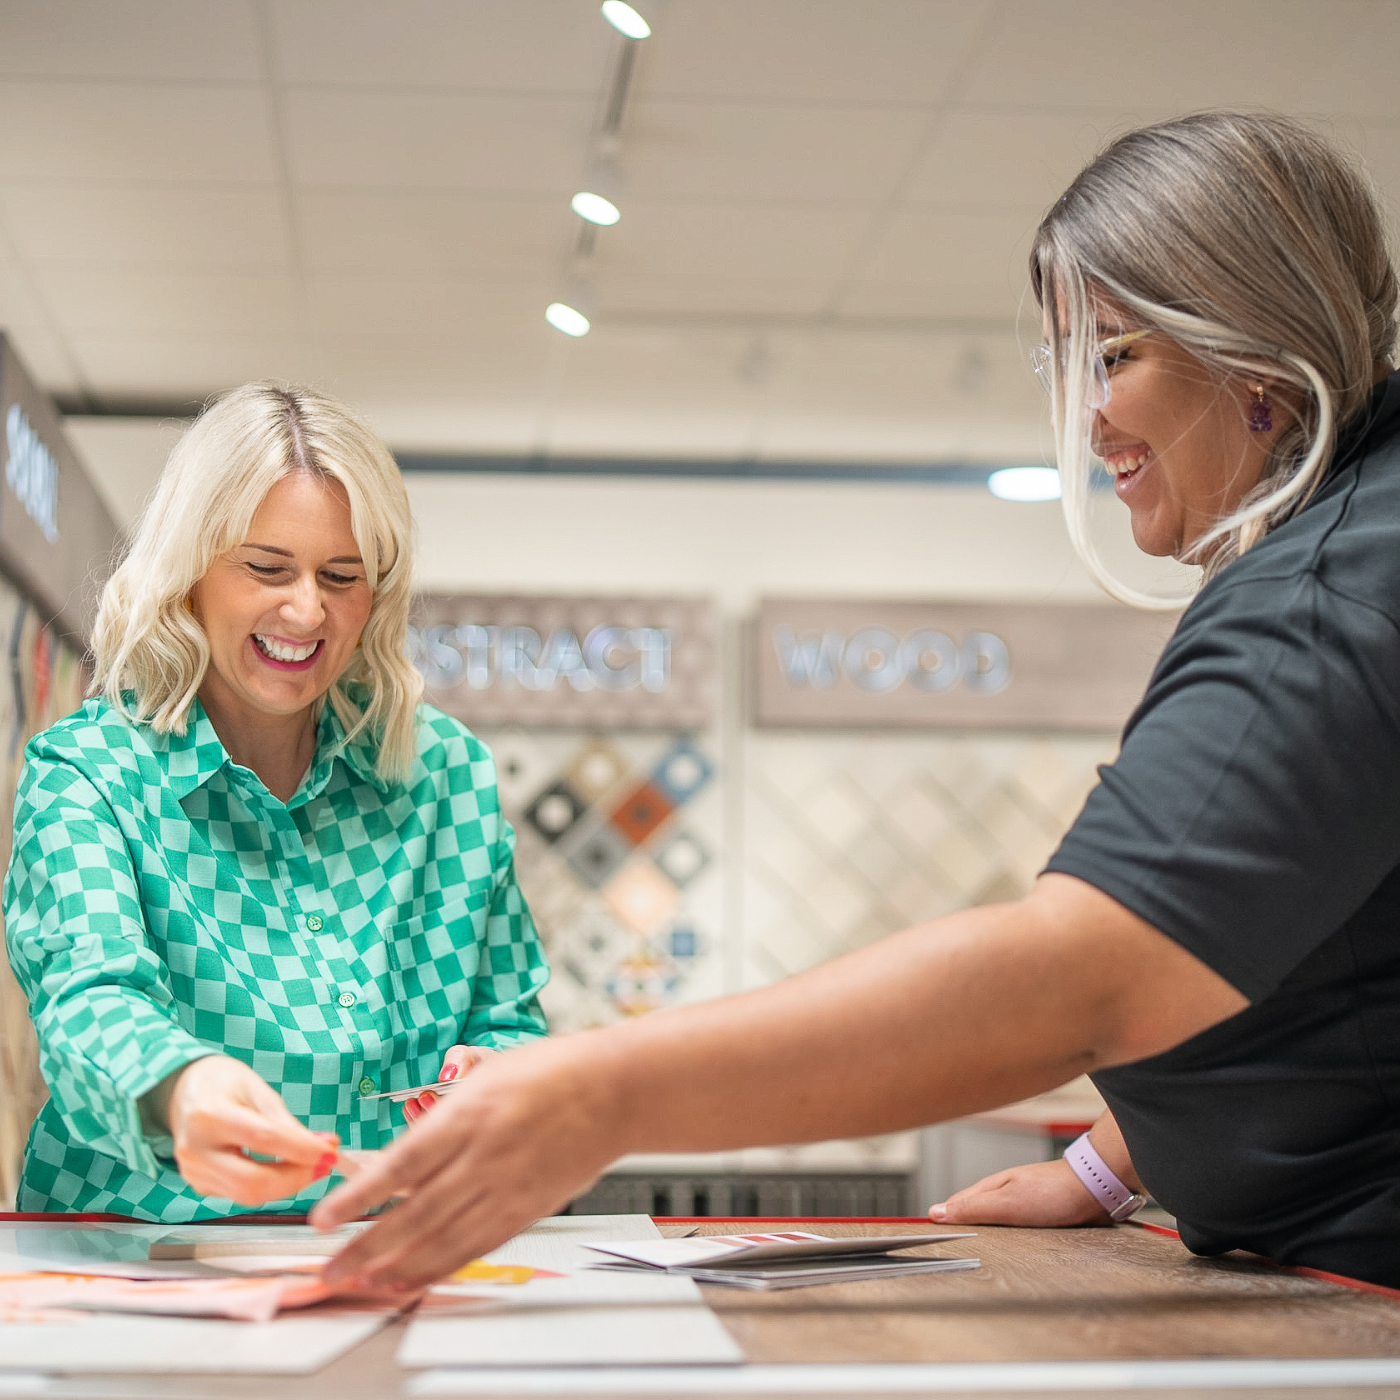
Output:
[[1301, 1270], [794, 1219]]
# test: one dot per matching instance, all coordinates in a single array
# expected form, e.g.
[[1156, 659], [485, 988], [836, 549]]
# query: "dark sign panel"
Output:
[[56, 535], [968, 665], [646, 663]]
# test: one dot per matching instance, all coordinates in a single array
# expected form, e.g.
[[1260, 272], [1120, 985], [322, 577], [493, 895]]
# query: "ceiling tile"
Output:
[[989, 159], [828, 155], [1319, 55], [945, 264], [31, 328], [166, 226], [793, 50], [678, 301], [180, 366], [556, 46], [719, 241], [437, 308], [505, 363], [443, 232], [183, 40], [115, 131], [438, 140], [140, 302]]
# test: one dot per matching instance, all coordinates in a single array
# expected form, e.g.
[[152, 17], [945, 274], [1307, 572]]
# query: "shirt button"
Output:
[[367, 1085], [315, 923], [346, 999]]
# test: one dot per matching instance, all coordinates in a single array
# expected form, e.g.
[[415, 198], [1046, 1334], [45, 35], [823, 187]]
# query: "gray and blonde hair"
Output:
[[1258, 248], [150, 652]]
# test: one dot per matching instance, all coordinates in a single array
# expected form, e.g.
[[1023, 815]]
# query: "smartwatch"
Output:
[[1098, 1179]]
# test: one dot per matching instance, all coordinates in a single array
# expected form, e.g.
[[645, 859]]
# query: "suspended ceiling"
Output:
[[825, 218]]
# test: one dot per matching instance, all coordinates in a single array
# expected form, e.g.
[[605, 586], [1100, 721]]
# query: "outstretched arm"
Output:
[[975, 1010]]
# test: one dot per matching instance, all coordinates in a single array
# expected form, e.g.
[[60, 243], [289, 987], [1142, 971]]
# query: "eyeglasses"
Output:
[[1101, 363]]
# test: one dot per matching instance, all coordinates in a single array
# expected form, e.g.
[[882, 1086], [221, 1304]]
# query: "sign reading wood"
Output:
[[964, 665], [56, 535], [568, 662]]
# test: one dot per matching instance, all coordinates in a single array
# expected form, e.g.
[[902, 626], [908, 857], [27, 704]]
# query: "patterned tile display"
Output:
[[42, 682], [614, 842]]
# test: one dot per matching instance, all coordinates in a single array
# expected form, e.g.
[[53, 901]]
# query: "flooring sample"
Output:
[[589, 1317]]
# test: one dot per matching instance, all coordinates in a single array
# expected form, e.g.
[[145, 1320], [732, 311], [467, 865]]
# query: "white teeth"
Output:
[[279, 651]]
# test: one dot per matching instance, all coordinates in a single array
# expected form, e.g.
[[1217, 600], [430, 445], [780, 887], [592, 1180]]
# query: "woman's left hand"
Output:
[[458, 1060]]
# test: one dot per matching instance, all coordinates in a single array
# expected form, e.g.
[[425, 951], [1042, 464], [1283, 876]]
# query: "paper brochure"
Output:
[[783, 1259], [581, 1317]]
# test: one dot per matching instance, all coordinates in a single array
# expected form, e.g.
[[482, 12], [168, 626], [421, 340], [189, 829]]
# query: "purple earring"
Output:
[[1261, 412]]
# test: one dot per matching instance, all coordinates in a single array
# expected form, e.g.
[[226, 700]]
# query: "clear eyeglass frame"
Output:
[[1100, 382]]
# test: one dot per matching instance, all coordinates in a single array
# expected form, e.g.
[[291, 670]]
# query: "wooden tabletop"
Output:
[[1041, 1295]]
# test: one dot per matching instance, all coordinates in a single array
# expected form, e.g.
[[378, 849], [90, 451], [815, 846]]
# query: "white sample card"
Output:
[[586, 1317], [294, 1345]]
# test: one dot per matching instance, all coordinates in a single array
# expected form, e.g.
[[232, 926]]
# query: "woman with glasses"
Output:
[[1215, 940]]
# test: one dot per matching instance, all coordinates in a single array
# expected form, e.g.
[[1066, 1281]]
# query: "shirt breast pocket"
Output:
[[433, 960]]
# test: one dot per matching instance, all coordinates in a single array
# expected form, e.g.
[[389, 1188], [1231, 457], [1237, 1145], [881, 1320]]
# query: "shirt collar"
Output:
[[192, 758]]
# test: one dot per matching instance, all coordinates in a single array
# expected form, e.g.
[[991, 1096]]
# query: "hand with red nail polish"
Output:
[[219, 1111], [456, 1062]]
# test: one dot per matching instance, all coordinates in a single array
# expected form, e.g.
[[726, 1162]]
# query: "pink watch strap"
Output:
[[1118, 1200]]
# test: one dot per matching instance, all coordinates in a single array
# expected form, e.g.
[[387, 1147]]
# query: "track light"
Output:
[[596, 208], [566, 318], [1025, 484], [625, 20]]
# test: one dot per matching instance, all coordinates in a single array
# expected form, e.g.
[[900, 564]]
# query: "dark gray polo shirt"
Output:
[[1253, 816]]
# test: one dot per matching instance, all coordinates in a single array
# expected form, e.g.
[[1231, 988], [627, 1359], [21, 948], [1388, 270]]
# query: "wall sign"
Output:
[[968, 665], [56, 535], [568, 662]]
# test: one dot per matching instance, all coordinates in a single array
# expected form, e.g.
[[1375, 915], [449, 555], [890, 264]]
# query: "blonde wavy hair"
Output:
[[1261, 250], [151, 654]]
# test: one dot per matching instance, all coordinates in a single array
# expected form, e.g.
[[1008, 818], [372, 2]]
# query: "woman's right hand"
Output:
[[218, 1110], [1045, 1193]]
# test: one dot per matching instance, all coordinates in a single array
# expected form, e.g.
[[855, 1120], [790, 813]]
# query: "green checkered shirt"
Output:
[[161, 905]]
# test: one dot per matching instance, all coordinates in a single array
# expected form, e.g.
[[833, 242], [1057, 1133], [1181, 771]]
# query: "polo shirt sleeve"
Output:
[[99, 995], [1253, 808], [505, 1009]]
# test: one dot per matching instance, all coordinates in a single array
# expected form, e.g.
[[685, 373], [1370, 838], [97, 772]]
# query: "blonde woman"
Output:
[[1218, 937], [255, 882]]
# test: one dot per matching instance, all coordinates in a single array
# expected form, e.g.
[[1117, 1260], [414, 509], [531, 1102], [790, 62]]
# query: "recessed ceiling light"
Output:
[[625, 19], [1025, 484], [595, 208], [564, 318]]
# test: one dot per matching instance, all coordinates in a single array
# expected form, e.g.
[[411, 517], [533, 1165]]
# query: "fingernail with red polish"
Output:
[[448, 1072], [324, 1165]]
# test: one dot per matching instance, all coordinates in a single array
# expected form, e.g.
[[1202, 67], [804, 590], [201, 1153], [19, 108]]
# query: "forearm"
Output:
[[1106, 1138], [979, 1009]]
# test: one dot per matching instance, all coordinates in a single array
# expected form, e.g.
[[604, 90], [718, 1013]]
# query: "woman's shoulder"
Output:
[[446, 744], [95, 734], [95, 747]]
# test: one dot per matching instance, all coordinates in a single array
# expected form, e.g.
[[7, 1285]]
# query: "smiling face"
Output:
[[284, 610], [1176, 439]]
